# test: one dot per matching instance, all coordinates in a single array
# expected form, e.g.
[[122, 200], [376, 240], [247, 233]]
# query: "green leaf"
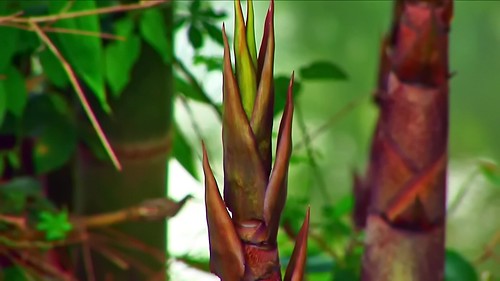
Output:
[[280, 91], [121, 56], [3, 103], [15, 194], [214, 32], [85, 55], [491, 171], [211, 14], [195, 37], [344, 206], [322, 70], [195, 6], [54, 147], [153, 30], [211, 63], [53, 69], [15, 89], [189, 91], [458, 268], [55, 225], [8, 40], [13, 273], [183, 153]]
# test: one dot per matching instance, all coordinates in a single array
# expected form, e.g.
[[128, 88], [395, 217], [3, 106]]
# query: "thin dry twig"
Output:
[[65, 30], [332, 120], [79, 92], [489, 249], [105, 10]]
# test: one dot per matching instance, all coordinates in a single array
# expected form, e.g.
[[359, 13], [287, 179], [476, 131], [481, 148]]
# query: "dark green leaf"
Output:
[[195, 37], [13, 273], [8, 40], [55, 146], [195, 6], [15, 89], [211, 63], [85, 55], [15, 194], [458, 268], [322, 70], [214, 32], [491, 171], [3, 103], [53, 69], [153, 30], [121, 56], [211, 14], [189, 91], [280, 91], [183, 153]]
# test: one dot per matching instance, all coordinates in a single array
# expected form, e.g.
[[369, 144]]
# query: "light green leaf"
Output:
[[55, 225], [121, 56], [183, 153], [85, 55], [153, 30], [322, 70], [15, 89]]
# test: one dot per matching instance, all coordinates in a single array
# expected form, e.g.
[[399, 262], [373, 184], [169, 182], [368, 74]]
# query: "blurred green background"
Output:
[[348, 34]]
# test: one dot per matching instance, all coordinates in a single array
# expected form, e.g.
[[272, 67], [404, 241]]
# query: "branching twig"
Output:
[[99, 11], [65, 30], [310, 154], [332, 120], [79, 92]]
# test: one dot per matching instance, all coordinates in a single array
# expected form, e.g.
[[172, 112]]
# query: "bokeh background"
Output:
[[348, 34]]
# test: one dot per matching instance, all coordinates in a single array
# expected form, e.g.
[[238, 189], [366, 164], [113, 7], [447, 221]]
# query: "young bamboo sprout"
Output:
[[243, 246], [406, 181]]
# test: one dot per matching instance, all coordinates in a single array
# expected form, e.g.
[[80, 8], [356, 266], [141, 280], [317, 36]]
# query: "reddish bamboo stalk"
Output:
[[402, 200]]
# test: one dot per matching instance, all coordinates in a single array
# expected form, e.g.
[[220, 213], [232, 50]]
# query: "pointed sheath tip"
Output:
[[296, 267]]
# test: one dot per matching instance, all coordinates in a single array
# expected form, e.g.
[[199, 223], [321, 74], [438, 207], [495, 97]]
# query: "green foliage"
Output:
[[53, 69], [121, 56], [15, 90], [322, 70], [457, 268], [201, 19], [13, 273], [154, 32], [22, 194], [86, 56], [8, 40], [491, 171], [184, 153], [55, 225]]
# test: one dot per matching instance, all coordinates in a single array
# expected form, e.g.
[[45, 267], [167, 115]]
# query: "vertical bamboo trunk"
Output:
[[138, 129], [406, 181]]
